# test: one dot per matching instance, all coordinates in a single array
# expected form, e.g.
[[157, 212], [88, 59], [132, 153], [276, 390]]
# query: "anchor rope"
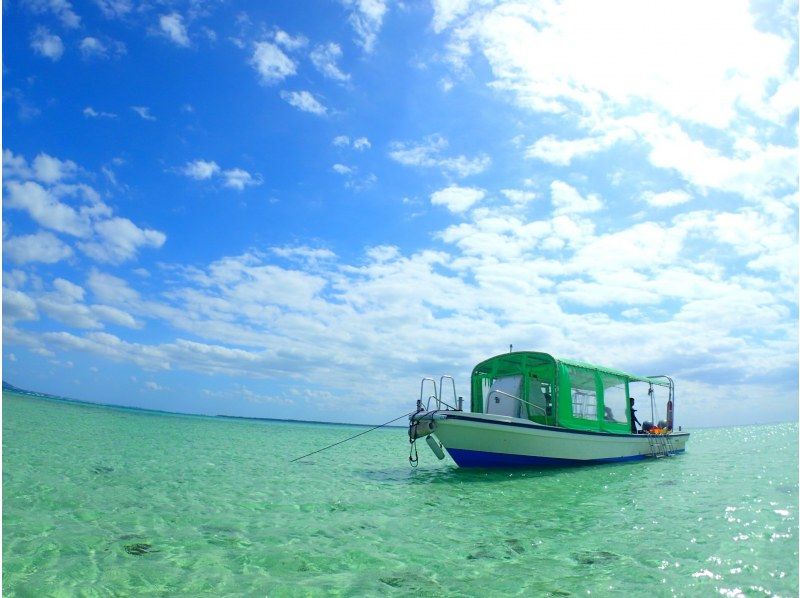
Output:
[[354, 436]]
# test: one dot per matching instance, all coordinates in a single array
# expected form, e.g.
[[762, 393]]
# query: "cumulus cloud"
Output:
[[666, 199], [48, 169], [519, 196], [342, 169], [567, 200], [655, 96], [562, 152], [238, 178], [18, 306], [325, 58], [44, 208], [305, 101], [115, 9], [427, 153], [62, 9], [235, 178], [173, 27], [200, 169], [360, 144], [289, 42], [42, 247], [46, 44], [591, 57], [366, 18], [457, 199], [271, 63], [68, 208], [92, 47], [119, 239]]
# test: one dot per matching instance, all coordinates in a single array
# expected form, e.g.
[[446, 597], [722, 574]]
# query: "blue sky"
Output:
[[298, 209]]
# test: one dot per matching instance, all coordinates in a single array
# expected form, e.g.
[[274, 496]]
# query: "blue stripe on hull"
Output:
[[466, 458]]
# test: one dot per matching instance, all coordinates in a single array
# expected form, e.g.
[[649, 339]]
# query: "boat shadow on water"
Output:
[[451, 474]]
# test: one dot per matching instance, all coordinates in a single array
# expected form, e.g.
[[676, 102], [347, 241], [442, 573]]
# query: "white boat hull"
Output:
[[481, 440]]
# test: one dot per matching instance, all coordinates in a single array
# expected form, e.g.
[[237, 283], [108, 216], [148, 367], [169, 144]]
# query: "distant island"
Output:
[[43, 395]]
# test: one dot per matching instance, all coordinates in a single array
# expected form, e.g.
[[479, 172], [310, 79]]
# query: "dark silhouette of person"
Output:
[[634, 421]]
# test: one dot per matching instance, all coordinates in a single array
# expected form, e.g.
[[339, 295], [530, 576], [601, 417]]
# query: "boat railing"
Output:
[[436, 397], [441, 390]]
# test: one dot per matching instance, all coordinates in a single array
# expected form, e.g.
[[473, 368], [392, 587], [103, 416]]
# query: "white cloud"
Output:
[[115, 316], [91, 47], [18, 306], [42, 247], [754, 171], [562, 152], [69, 290], [119, 240], [457, 199], [666, 199], [115, 9], [696, 63], [325, 58], [338, 141], [342, 169], [428, 154], [111, 289], [567, 200], [289, 42], [519, 196], [237, 178], [200, 169], [45, 209], [104, 237], [447, 11], [90, 112], [47, 45], [51, 170], [65, 304], [15, 166], [305, 101], [715, 66], [144, 112], [271, 63], [172, 27], [366, 18], [361, 143], [62, 9]]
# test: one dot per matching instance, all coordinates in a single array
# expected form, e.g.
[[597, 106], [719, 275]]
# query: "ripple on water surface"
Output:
[[112, 501]]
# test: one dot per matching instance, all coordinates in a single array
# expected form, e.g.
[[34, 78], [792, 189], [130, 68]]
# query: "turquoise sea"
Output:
[[100, 501]]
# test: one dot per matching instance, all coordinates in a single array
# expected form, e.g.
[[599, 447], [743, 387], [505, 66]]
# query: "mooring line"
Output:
[[351, 437]]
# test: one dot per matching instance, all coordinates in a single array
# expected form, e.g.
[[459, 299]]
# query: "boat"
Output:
[[531, 409]]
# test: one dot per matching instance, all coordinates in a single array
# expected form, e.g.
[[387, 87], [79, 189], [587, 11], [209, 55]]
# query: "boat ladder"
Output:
[[660, 445]]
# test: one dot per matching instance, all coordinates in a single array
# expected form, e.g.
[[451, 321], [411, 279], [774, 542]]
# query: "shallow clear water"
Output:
[[106, 501]]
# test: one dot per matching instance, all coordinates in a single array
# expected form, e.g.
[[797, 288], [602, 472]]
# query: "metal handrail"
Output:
[[441, 388], [439, 404], [422, 389], [510, 396]]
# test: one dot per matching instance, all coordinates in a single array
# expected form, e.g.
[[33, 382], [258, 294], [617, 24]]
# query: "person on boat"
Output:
[[634, 421]]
